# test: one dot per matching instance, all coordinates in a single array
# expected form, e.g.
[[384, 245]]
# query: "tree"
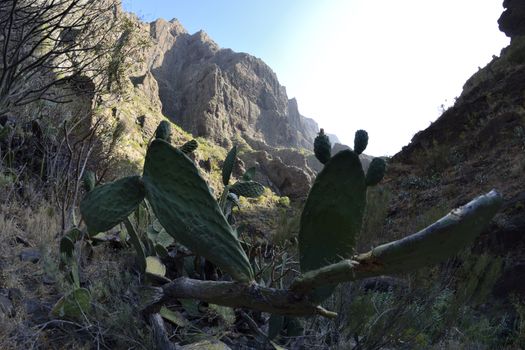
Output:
[[49, 45]]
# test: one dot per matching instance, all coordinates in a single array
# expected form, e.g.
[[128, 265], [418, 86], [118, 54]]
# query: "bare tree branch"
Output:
[[47, 44]]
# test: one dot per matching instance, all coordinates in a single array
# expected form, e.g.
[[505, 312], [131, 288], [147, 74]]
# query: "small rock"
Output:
[[31, 255], [14, 294], [6, 307]]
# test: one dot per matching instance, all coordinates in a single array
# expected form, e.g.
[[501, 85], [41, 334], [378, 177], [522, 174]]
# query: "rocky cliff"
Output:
[[476, 145], [224, 97], [217, 93]]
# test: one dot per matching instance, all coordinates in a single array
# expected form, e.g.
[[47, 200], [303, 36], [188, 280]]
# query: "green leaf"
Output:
[[108, 205], [332, 216], [184, 205], [228, 165], [73, 305]]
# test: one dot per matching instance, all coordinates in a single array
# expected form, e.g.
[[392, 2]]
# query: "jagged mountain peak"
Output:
[[219, 94]]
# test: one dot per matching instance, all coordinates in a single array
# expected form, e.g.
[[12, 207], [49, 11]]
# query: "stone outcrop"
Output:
[[217, 93]]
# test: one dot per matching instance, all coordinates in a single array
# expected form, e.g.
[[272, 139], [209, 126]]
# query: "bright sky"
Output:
[[384, 66]]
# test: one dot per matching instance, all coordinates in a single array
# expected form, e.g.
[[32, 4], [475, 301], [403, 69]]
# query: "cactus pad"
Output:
[[89, 180], [109, 204], [185, 207], [360, 141], [249, 189], [322, 147], [228, 165], [189, 146], [376, 171], [332, 215], [163, 131]]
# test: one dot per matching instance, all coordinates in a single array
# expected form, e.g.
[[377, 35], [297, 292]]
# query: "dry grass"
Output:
[[23, 228], [114, 321]]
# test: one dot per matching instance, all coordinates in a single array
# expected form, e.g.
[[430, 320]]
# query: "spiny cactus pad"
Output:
[[322, 147], [249, 189], [109, 204], [163, 131], [332, 215], [228, 165], [360, 141], [376, 171], [189, 146], [183, 204], [89, 180]]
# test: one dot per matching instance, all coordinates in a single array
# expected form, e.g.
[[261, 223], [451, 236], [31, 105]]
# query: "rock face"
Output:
[[217, 93], [475, 146]]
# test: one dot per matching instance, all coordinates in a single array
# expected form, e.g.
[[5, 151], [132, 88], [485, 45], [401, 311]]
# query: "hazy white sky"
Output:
[[384, 66]]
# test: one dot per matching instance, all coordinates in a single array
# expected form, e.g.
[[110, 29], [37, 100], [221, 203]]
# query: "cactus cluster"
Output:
[[188, 213], [182, 203]]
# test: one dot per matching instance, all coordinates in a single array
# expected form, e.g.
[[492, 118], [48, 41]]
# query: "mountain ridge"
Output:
[[218, 93]]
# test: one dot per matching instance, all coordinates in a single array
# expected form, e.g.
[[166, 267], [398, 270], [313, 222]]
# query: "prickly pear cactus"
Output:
[[109, 204], [248, 189], [189, 146], [375, 172], [163, 131], [332, 215], [322, 147], [183, 204], [360, 141]]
